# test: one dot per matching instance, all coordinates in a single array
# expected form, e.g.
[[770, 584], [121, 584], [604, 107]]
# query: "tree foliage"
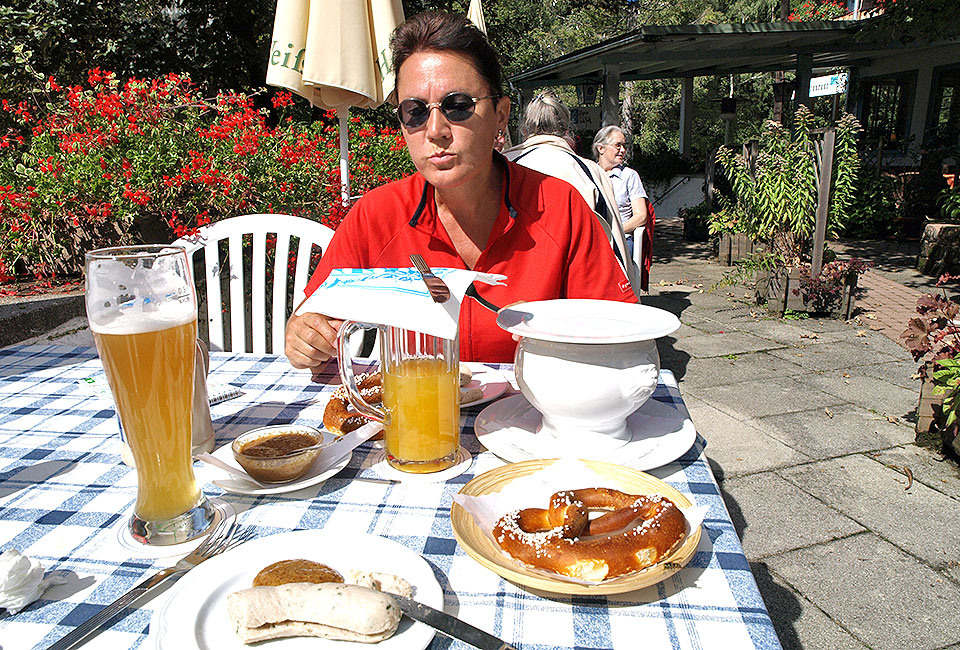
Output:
[[222, 44]]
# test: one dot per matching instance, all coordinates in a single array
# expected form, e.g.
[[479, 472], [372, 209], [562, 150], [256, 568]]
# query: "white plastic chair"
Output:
[[638, 254], [233, 231]]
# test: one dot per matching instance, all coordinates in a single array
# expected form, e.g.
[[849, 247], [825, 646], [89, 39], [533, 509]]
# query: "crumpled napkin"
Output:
[[396, 297], [535, 490], [22, 581]]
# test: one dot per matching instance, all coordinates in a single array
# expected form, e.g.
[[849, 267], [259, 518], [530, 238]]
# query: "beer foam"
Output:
[[128, 299]]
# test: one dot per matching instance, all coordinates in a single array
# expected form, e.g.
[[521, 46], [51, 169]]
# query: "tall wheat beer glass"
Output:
[[142, 309]]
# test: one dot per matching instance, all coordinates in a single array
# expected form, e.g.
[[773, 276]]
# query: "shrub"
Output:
[[872, 207], [774, 195], [99, 165], [949, 202]]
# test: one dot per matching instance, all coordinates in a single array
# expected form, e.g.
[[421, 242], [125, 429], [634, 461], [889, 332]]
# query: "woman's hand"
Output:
[[310, 340]]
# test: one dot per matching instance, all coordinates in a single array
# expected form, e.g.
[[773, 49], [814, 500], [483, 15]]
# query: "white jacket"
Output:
[[551, 155]]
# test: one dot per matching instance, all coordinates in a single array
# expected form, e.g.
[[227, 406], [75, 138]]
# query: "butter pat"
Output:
[[21, 580]]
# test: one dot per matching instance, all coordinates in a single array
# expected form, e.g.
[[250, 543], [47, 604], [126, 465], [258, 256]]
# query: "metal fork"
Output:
[[438, 288], [216, 542]]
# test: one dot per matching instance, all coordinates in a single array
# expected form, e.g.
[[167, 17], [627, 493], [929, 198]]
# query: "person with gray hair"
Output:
[[547, 147], [609, 149]]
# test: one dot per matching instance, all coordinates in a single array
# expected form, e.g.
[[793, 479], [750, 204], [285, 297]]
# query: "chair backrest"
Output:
[[224, 265], [642, 252]]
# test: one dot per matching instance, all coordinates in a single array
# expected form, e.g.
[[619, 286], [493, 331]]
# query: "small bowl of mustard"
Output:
[[279, 453]]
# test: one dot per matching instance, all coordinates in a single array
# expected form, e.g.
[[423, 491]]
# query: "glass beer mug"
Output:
[[421, 396], [142, 309]]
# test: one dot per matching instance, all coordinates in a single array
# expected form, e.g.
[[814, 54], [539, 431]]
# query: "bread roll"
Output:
[[328, 610]]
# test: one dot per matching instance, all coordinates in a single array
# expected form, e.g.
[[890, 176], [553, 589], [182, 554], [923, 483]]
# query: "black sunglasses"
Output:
[[456, 107]]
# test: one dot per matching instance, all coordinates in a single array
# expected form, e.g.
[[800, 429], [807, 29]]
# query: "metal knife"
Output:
[[450, 625]]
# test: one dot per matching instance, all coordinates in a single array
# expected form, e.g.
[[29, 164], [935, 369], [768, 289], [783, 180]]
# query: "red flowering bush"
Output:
[[113, 163], [818, 10]]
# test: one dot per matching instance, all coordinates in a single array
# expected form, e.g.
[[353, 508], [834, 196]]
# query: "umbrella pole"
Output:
[[343, 113]]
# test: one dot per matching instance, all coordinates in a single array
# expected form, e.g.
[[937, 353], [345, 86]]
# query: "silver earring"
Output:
[[500, 133]]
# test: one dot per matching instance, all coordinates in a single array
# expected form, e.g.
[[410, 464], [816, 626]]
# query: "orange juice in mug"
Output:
[[421, 396]]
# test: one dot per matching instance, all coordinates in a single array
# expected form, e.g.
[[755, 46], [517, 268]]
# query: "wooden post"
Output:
[[709, 176], [610, 104], [823, 199], [686, 115], [804, 72]]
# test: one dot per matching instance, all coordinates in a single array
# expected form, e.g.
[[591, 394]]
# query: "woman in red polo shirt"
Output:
[[466, 207]]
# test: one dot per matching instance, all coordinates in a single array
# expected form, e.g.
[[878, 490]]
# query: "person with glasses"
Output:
[[466, 206], [609, 149]]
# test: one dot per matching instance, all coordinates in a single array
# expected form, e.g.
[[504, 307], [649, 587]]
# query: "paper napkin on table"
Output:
[[22, 581], [216, 392], [396, 297]]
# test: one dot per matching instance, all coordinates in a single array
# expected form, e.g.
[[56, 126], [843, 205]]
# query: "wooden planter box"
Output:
[[733, 248], [952, 443], [778, 289], [695, 229], [929, 406], [929, 414]]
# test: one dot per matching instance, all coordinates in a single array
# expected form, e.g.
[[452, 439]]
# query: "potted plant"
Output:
[[832, 290], [696, 222], [946, 382], [933, 339], [774, 197]]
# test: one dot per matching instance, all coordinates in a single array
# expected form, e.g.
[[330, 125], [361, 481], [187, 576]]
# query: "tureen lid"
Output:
[[587, 321]]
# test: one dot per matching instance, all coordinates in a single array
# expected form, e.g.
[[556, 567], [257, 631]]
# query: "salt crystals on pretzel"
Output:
[[637, 532]]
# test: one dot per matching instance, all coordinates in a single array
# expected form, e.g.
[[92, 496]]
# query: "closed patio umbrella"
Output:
[[336, 54], [475, 16]]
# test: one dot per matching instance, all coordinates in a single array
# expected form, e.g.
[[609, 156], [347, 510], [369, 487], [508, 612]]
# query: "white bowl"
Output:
[[586, 365]]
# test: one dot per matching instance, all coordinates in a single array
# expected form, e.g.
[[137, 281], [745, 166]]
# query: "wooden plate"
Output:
[[483, 549]]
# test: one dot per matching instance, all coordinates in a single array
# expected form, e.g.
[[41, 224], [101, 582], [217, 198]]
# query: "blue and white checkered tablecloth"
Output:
[[65, 497]]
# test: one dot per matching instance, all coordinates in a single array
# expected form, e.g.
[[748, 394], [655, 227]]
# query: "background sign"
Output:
[[585, 118], [833, 84]]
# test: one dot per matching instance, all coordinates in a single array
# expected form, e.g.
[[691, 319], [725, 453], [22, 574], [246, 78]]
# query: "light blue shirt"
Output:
[[626, 186]]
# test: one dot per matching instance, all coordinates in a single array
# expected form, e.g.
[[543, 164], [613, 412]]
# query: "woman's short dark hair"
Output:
[[441, 31]]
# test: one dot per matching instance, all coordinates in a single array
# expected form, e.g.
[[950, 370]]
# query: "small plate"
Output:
[[587, 321], [481, 547], [230, 483], [661, 433], [194, 614], [489, 380]]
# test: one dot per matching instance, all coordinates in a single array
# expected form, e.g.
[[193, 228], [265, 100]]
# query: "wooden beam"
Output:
[[804, 72], [610, 104], [726, 51], [686, 115], [823, 199]]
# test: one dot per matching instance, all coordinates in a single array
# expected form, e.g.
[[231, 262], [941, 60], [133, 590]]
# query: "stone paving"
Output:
[[852, 529]]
